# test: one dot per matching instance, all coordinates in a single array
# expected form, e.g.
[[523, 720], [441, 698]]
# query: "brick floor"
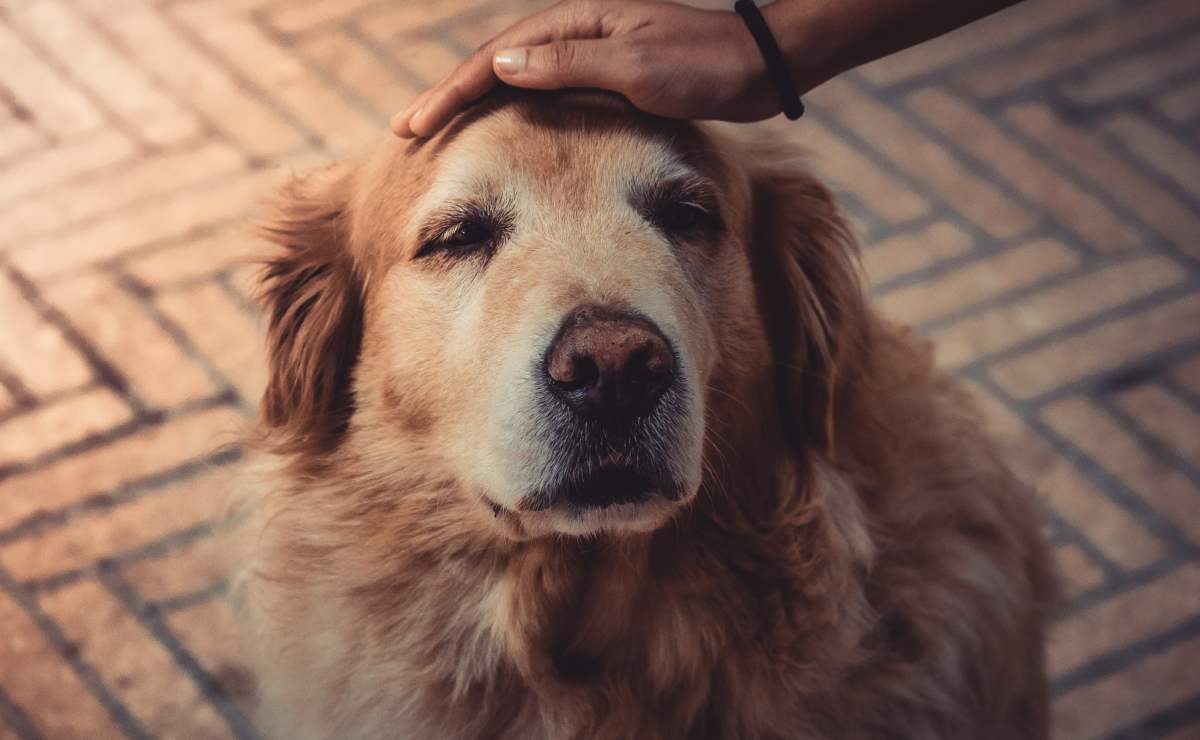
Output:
[[1028, 191]]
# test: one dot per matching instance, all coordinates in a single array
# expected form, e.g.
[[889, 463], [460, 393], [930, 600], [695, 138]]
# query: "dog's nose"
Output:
[[609, 366]]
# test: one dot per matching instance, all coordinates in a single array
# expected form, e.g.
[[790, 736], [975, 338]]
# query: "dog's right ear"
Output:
[[311, 290]]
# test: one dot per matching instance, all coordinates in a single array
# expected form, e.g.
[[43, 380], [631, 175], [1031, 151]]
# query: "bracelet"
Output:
[[776, 65]]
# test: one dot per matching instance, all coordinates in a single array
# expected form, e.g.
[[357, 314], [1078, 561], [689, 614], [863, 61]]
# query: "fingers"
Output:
[[474, 77], [433, 108], [576, 63], [400, 122]]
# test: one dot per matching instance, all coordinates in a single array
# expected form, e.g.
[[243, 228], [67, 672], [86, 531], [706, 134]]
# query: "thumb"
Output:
[[581, 63]]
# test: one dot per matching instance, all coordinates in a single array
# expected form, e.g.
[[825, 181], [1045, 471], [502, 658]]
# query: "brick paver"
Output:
[[1027, 190]]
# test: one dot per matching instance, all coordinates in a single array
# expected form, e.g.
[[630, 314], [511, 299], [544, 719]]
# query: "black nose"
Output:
[[609, 366]]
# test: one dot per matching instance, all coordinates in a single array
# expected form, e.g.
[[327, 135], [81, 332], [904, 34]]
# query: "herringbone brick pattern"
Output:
[[1028, 191]]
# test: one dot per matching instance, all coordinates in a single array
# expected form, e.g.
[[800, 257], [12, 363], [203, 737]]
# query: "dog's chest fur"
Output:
[[604, 640], [714, 630]]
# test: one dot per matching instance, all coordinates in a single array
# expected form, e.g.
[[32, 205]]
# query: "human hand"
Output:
[[667, 59]]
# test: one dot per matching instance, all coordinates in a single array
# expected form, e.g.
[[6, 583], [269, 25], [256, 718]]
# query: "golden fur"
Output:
[[855, 560]]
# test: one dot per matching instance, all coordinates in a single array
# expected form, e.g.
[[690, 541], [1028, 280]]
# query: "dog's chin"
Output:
[[609, 502], [628, 518]]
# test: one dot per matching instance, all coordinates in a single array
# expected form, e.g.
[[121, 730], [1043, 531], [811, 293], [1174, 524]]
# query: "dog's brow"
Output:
[[445, 216], [682, 184], [456, 211]]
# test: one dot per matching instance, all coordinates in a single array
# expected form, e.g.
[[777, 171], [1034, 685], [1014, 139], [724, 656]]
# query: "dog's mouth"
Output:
[[600, 488], [613, 492], [604, 488]]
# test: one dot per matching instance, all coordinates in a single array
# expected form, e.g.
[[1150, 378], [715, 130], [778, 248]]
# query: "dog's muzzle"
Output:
[[611, 399]]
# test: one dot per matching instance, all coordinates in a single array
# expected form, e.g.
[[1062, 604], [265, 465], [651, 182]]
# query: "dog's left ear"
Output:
[[805, 264], [312, 292]]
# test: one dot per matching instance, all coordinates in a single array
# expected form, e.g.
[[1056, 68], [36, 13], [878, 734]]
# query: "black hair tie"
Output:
[[776, 65]]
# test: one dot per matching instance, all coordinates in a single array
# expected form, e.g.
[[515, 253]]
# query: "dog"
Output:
[[579, 425]]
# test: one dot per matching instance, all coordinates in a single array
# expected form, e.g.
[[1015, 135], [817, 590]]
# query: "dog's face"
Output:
[[532, 305], [554, 292]]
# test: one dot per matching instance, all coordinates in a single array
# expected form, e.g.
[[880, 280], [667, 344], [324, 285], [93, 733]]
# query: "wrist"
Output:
[[811, 48], [748, 60], [750, 94]]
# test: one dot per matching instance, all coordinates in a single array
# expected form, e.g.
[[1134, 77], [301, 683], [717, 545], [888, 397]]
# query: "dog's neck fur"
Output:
[[590, 625]]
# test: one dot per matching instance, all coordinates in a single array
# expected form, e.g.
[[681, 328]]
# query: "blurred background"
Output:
[[1027, 192]]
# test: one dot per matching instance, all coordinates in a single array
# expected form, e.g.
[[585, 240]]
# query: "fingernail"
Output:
[[397, 123], [511, 61], [413, 119]]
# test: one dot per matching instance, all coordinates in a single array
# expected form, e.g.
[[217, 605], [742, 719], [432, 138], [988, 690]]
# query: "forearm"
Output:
[[823, 38]]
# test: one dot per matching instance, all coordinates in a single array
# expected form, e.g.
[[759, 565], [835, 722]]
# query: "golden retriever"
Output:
[[580, 426]]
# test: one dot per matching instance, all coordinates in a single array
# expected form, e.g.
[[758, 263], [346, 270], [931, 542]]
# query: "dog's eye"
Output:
[[468, 235], [682, 210], [463, 238], [680, 216]]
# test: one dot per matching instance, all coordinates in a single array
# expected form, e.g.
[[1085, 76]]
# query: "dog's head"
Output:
[[539, 304]]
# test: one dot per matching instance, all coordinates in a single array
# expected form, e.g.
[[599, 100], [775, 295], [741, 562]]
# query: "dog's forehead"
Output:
[[506, 147], [575, 148]]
